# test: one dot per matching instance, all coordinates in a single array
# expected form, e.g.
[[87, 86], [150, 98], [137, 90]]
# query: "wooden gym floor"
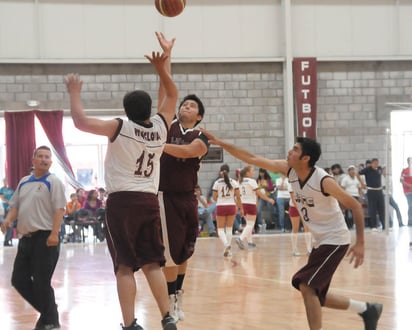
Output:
[[249, 291]]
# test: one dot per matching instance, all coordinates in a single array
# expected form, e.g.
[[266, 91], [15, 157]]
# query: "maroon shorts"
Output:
[[133, 229], [249, 209], [225, 210], [319, 270], [293, 212], [180, 225]]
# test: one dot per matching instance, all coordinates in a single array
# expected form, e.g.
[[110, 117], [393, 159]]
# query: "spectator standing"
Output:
[[353, 187], [387, 189], [406, 180], [266, 186], [5, 195], [282, 199], [337, 172], [205, 212]]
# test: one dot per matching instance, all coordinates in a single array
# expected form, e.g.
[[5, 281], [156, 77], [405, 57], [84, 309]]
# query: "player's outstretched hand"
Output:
[[166, 45], [73, 83], [157, 59], [356, 254], [212, 139]]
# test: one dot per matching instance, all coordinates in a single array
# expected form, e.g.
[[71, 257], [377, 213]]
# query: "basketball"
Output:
[[170, 8]]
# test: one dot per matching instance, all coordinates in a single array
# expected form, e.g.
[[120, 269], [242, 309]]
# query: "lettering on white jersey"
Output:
[[148, 136]]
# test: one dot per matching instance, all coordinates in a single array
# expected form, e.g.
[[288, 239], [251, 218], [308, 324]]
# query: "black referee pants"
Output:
[[32, 272], [376, 205]]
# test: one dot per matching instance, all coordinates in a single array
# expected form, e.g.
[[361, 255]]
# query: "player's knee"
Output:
[[306, 290]]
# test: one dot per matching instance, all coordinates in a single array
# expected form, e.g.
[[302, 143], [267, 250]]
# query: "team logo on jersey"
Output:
[[307, 201]]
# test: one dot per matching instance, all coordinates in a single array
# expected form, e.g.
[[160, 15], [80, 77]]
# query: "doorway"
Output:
[[401, 136]]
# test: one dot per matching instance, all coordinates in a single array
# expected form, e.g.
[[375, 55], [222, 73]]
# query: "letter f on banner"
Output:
[[305, 91]]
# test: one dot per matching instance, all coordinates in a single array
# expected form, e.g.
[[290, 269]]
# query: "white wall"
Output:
[[356, 28], [207, 30], [124, 30]]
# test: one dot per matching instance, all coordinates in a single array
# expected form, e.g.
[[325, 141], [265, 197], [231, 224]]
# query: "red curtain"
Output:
[[52, 123], [20, 144]]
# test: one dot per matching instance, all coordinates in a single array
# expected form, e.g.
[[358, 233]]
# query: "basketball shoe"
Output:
[[169, 323], [371, 315], [133, 326], [179, 308]]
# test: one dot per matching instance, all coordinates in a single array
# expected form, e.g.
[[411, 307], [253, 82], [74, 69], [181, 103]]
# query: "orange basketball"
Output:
[[170, 8]]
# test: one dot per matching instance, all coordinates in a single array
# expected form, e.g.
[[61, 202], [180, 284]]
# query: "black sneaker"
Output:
[[133, 326], [47, 326], [371, 315], [169, 323]]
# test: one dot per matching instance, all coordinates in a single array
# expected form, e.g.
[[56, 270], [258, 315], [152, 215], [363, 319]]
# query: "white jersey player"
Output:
[[227, 196], [249, 193], [318, 195]]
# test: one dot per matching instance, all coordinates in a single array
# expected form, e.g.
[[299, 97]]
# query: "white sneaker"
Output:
[[179, 302], [296, 253], [227, 252], [172, 307], [240, 243]]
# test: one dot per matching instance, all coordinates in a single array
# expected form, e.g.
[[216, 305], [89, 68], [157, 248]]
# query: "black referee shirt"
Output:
[[373, 177]]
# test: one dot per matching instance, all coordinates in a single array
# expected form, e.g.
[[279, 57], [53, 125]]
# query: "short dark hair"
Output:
[[137, 105], [194, 97], [309, 148], [37, 149]]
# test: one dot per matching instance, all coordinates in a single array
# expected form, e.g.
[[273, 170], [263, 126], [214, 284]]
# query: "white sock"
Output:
[[247, 231], [222, 235], [294, 239], [357, 306], [308, 241], [229, 235]]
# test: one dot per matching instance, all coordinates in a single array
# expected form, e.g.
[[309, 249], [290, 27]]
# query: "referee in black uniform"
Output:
[[376, 200]]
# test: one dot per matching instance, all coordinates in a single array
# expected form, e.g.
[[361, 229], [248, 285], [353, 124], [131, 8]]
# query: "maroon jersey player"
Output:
[[178, 204]]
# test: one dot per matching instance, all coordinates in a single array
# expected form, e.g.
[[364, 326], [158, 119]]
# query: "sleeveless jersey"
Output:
[[225, 196], [177, 174], [248, 191], [133, 156], [320, 211]]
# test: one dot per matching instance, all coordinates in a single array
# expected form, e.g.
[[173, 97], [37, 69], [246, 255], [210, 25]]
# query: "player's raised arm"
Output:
[[277, 166], [168, 107], [167, 46], [81, 121]]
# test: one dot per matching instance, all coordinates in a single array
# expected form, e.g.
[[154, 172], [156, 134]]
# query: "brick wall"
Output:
[[244, 101]]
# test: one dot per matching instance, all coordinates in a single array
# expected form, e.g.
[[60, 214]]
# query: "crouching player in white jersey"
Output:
[[318, 196], [132, 169], [248, 194]]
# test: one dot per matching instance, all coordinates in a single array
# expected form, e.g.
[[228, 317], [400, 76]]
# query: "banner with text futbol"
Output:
[[305, 89]]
